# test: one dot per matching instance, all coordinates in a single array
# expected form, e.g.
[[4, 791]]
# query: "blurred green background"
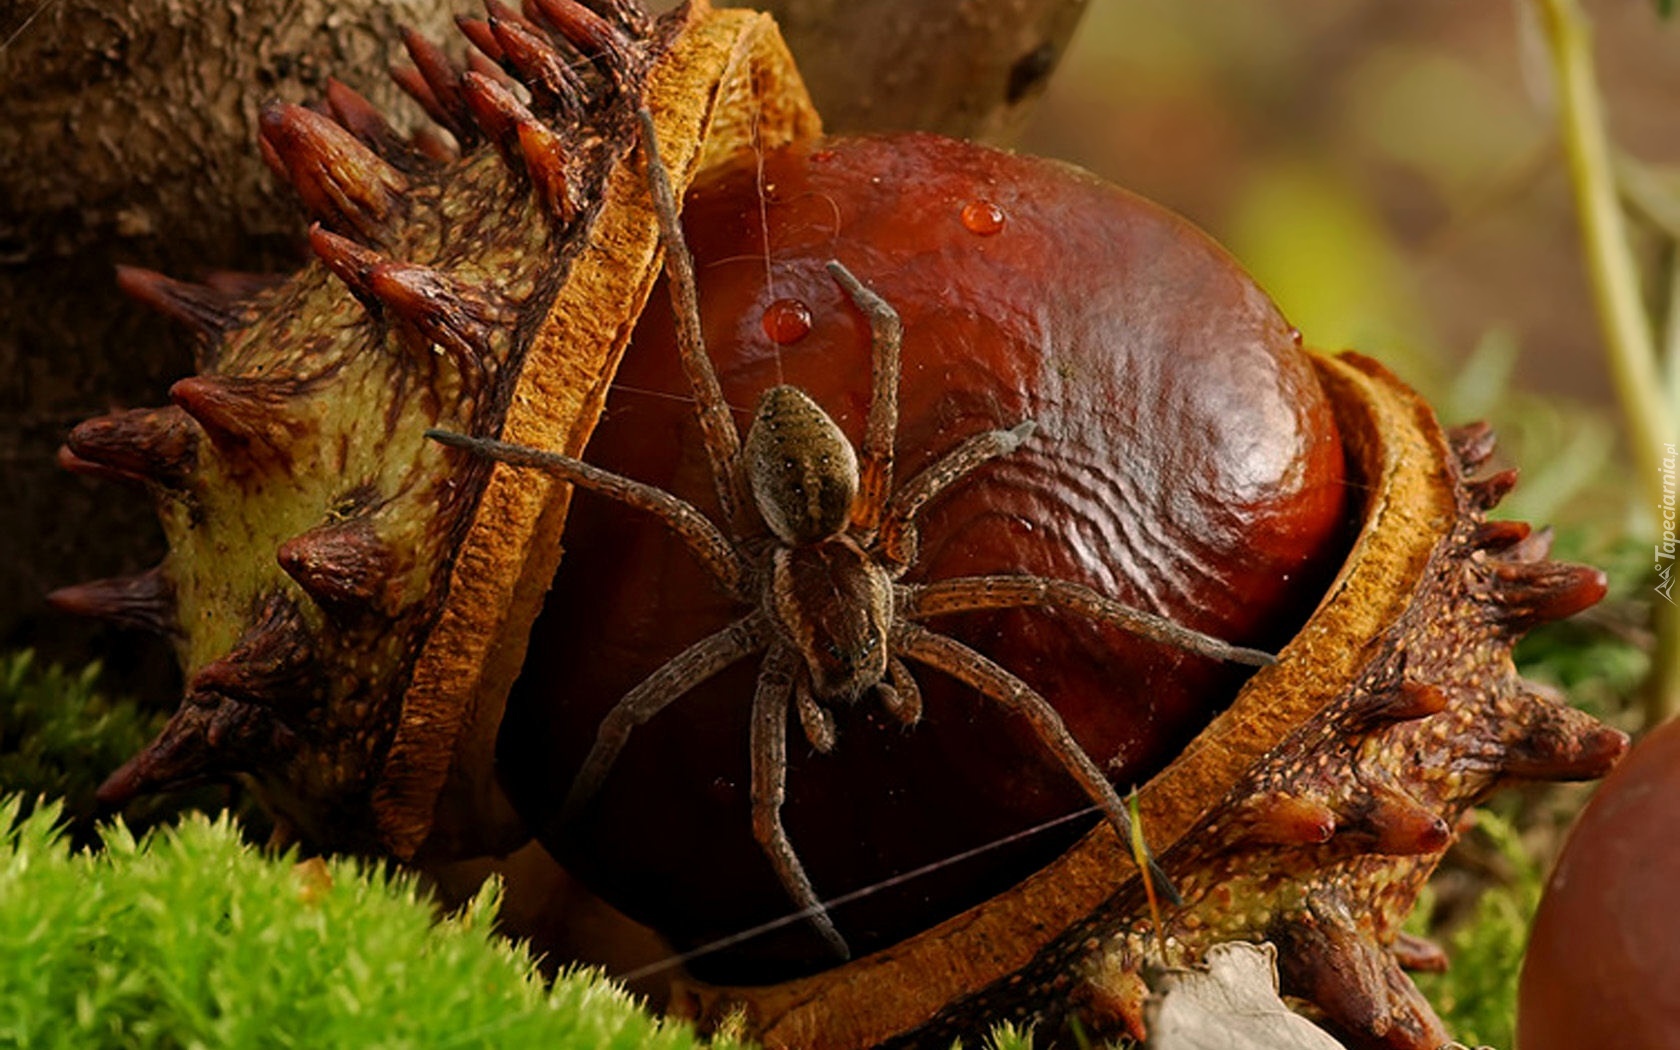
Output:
[[1389, 171]]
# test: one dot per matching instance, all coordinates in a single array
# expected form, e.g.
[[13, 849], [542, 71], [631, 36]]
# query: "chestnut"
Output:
[[1187, 465], [1602, 957]]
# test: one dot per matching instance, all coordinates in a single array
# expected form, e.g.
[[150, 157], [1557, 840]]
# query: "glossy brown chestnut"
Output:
[[1602, 959], [1186, 463]]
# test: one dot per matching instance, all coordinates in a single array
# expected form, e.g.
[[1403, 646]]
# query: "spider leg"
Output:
[[875, 462], [684, 519], [976, 671], [656, 692], [769, 783], [902, 697], [814, 717], [717, 428], [897, 543], [968, 593]]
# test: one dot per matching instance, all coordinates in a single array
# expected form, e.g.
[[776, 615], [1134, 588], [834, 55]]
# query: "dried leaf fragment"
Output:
[[1231, 1004]]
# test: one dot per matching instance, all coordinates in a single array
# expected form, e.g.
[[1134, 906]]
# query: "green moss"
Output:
[[190, 938], [1477, 996], [1599, 659], [56, 730], [1008, 1036], [61, 735]]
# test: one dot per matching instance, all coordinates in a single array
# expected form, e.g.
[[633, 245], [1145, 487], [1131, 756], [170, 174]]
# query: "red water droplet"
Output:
[[787, 320], [822, 156], [1295, 336], [982, 217]]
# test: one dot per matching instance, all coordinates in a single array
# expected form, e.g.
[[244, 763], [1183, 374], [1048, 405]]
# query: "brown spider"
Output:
[[825, 608]]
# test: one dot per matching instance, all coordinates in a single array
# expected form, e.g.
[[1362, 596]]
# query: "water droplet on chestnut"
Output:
[[982, 217], [786, 321]]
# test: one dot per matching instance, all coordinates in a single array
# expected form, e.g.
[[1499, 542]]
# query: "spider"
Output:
[[825, 608]]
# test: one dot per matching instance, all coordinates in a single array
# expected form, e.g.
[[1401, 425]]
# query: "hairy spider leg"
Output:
[[691, 526], [897, 542], [769, 788], [991, 680], [903, 698], [817, 720], [875, 458], [972, 593], [717, 427], [672, 681]]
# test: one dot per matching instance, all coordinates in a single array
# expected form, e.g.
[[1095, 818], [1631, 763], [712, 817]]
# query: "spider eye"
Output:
[[833, 650]]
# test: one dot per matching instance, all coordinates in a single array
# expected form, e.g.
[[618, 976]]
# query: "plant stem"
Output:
[[1671, 323], [1629, 340], [1663, 686]]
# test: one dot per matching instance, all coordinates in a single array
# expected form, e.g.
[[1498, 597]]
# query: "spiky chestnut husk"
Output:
[[348, 600], [1309, 813], [434, 566]]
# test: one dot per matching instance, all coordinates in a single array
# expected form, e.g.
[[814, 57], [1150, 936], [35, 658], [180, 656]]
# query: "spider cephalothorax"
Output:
[[825, 608]]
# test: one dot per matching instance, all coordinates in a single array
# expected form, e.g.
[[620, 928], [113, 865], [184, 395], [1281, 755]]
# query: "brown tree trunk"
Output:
[[964, 68]]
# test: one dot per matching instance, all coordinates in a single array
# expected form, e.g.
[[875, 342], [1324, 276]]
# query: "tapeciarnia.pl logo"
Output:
[[1666, 545]]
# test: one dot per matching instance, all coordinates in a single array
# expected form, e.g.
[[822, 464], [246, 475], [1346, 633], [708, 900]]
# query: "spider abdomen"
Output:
[[800, 468]]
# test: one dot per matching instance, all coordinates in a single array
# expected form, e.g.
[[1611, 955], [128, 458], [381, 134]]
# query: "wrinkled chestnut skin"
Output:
[[1605, 950], [1185, 463]]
